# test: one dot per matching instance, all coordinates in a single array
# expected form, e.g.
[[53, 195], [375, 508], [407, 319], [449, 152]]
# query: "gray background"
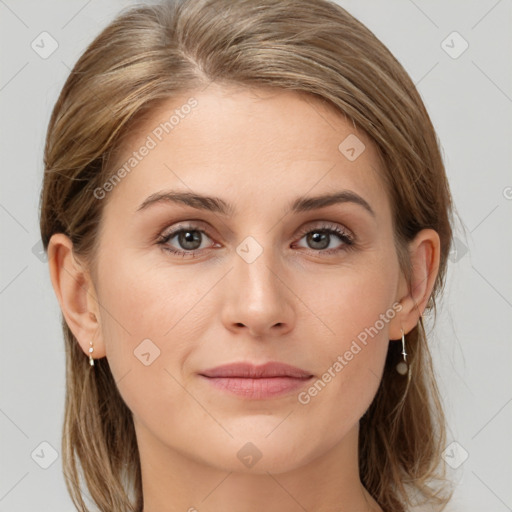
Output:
[[470, 101]]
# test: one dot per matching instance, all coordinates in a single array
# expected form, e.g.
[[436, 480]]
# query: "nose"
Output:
[[258, 299]]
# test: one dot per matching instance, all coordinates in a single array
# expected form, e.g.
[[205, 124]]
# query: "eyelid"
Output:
[[195, 224], [173, 230], [203, 227], [327, 225]]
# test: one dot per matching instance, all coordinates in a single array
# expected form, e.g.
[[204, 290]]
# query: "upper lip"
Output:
[[251, 371]]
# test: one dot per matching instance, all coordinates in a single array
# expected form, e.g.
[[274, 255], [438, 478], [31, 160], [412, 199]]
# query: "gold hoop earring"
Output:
[[91, 350], [402, 367]]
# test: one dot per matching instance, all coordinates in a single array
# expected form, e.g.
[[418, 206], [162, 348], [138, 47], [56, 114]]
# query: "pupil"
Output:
[[319, 238], [189, 237]]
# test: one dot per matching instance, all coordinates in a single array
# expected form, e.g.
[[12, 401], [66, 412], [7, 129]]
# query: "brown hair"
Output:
[[150, 53]]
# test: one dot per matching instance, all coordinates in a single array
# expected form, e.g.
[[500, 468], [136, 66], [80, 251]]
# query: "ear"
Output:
[[76, 294], [424, 253]]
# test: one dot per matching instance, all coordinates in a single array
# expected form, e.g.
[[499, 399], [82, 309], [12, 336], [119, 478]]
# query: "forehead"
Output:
[[268, 144]]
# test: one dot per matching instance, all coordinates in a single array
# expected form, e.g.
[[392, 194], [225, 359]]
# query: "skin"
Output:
[[257, 149]]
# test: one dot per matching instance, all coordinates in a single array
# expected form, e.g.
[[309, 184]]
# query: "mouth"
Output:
[[250, 381]]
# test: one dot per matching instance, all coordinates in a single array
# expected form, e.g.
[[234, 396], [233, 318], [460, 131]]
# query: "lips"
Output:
[[250, 371], [248, 381]]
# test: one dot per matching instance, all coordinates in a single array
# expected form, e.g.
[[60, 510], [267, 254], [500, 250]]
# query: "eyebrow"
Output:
[[218, 205]]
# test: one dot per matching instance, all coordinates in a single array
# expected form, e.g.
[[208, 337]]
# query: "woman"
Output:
[[246, 215]]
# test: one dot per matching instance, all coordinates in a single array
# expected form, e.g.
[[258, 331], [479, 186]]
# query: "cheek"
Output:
[[356, 305], [145, 314], [357, 308], [144, 301]]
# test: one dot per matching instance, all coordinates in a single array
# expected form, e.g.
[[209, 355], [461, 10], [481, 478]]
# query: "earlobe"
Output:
[[75, 293], [424, 253]]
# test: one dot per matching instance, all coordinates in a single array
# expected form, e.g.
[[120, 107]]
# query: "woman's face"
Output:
[[315, 287]]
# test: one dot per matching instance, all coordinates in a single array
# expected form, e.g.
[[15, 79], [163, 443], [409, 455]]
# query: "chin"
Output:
[[262, 454]]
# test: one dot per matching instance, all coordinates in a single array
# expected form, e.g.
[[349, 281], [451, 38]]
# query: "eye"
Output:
[[189, 239], [319, 238]]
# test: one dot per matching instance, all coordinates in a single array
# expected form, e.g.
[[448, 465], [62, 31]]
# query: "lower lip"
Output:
[[258, 389]]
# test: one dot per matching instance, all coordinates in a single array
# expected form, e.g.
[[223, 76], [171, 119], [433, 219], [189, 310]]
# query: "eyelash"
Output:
[[332, 229]]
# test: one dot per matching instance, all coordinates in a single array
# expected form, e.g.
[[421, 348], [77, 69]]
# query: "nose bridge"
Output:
[[257, 295], [255, 267]]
